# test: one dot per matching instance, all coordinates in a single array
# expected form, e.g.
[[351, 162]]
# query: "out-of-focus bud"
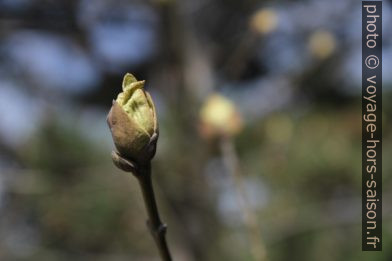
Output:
[[133, 122], [264, 21], [219, 117], [322, 44]]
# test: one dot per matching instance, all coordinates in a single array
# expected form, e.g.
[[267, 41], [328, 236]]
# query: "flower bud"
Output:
[[219, 117], [133, 123]]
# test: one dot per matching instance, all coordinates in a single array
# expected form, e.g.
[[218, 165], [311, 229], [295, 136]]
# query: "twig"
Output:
[[231, 162], [154, 223]]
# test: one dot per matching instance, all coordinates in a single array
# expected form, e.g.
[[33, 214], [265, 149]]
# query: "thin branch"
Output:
[[154, 223], [231, 162]]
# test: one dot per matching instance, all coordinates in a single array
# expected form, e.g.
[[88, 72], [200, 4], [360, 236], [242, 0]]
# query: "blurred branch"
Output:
[[231, 162], [10, 154], [236, 62]]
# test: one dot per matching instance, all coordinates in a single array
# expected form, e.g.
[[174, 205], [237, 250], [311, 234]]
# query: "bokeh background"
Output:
[[292, 71]]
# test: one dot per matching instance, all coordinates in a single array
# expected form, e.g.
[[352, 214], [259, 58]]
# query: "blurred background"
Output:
[[267, 91]]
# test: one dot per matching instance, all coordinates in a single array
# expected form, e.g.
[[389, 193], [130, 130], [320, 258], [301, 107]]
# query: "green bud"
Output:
[[133, 123]]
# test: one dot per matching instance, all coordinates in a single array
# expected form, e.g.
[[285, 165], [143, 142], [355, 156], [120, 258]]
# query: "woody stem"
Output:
[[154, 223]]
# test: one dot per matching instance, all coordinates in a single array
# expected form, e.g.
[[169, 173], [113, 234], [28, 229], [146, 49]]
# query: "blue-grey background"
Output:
[[292, 68]]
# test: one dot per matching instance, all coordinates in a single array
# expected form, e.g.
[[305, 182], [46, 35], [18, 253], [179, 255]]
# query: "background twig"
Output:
[[231, 162]]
